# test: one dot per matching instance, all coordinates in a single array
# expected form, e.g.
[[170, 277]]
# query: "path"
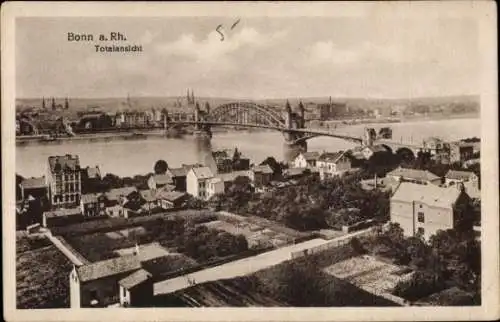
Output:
[[237, 268], [69, 254]]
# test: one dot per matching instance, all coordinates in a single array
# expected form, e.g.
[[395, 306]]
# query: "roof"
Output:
[[459, 175], [231, 176], [220, 154], [294, 171], [115, 194], [431, 195], [170, 195], [311, 155], [202, 172], [178, 172], [93, 172], [65, 162], [162, 178], [263, 168], [148, 195], [109, 267], [63, 212], [413, 174], [90, 197], [330, 156], [33, 183], [135, 279]]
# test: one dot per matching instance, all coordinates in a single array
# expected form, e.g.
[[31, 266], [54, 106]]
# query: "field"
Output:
[[41, 275]]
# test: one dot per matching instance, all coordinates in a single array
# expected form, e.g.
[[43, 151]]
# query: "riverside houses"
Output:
[[64, 180], [93, 204], [425, 209], [306, 160]]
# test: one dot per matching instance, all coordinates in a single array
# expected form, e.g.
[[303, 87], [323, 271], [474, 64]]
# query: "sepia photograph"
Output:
[[273, 156]]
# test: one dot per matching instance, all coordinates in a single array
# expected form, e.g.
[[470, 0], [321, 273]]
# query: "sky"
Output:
[[261, 57]]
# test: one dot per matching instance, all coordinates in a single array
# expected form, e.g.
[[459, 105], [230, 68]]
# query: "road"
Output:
[[237, 268]]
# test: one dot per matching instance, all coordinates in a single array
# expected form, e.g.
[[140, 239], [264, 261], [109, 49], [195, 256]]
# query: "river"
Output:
[[131, 157]]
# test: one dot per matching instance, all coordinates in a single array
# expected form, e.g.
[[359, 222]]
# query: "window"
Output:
[[420, 231], [421, 217], [124, 292]]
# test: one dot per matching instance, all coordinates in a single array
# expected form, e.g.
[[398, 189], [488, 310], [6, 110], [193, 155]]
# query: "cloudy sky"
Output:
[[381, 56]]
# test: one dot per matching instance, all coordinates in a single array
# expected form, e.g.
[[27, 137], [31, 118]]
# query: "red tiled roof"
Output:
[[330, 156], [108, 267], [263, 168], [429, 194], [413, 174], [178, 172]]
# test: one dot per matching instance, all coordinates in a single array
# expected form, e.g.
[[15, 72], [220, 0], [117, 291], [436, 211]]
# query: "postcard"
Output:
[[275, 161]]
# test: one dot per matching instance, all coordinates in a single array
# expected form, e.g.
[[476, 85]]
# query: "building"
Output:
[[151, 201], [64, 180], [171, 199], [91, 180], [215, 186], [367, 152], [136, 290], [261, 175], [61, 217], [333, 164], [425, 209], [35, 187], [96, 284], [306, 160], [117, 198], [196, 182], [93, 204], [229, 178], [225, 163], [178, 175], [468, 178], [157, 181], [414, 175], [461, 151]]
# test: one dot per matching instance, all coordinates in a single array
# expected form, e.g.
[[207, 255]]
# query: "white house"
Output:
[[197, 180], [306, 160], [214, 186], [333, 164]]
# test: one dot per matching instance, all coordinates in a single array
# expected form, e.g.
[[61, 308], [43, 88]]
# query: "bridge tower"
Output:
[[293, 146], [302, 115]]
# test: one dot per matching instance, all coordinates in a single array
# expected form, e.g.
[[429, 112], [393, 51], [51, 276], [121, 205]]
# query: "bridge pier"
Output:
[[292, 149]]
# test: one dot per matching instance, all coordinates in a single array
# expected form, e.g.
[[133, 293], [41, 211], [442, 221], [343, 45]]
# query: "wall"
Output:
[[402, 213], [106, 288], [192, 184], [74, 289]]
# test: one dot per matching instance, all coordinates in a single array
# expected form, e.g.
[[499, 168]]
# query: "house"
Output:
[[171, 199], [62, 216], [469, 178], [91, 179], [333, 164], [261, 175], [136, 290], [96, 284], [119, 195], [35, 187], [215, 186], [367, 152], [306, 160], [157, 181], [296, 173], [228, 178], [135, 205], [151, 201], [461, 151], [401, 174], [196, 181], [64, 180], [425, 209], [178, 176], [93, 204]]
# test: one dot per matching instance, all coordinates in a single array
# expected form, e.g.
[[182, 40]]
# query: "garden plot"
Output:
[[368, 273], [126, 233]]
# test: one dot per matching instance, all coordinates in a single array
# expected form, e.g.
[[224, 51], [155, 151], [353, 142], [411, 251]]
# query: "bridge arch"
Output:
[[246, 113], [405, 154]]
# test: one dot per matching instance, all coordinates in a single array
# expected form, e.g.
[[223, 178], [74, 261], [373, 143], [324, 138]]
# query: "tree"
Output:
[[274, 165], [160, 167]]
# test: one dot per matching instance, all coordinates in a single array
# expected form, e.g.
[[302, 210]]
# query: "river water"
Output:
[[131, 157]]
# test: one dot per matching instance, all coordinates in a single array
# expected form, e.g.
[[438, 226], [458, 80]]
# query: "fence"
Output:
[[331, 244]]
